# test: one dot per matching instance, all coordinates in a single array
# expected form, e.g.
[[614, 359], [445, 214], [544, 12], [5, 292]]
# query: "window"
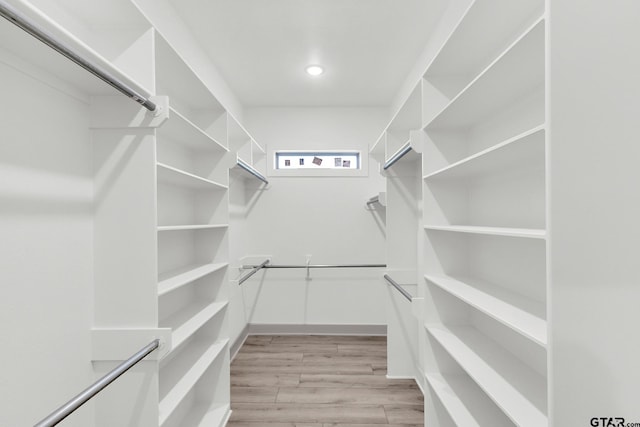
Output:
[[342, 160]]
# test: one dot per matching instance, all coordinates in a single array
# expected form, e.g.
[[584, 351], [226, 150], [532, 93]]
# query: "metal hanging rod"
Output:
[[400, 289], [65, 410], [398, 155], [374, 199], [319, 266], [252, 171], [252, 272], [27, 24]]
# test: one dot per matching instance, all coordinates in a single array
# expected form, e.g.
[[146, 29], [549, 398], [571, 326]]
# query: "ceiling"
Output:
[[262, 47]]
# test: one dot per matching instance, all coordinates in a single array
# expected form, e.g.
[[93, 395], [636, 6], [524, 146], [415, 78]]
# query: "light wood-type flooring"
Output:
[[319, 381]]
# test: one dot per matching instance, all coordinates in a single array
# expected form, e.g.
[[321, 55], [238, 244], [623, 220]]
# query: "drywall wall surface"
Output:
[[593, 210], [46, 193], [321, 219]]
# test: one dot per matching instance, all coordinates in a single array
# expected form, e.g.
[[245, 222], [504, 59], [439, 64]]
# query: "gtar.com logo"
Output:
[[607, 422]]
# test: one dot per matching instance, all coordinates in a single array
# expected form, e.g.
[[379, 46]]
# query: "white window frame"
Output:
[[328, 172]]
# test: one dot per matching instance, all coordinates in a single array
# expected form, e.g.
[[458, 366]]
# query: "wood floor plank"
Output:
[[303, 369], [337, 369], [343, 359], [350, 381], [258, 339], [348, 396], [291, 348], [379, 368], [310, 413], [263, 424], [267, 362], [368, 348], [405, 414], [261, 379], [253, 394], [328, 339], [250, 368], [370, 425], [267, 355]]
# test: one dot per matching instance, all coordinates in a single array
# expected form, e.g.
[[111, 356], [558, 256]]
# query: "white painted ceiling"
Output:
[[262, 47]]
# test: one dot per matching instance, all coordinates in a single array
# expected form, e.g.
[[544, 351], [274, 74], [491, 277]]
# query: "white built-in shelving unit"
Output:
[[398, 152], [247, 182], [161, 214], [484, 191], [479, 218], [192, 194], [249, 153]]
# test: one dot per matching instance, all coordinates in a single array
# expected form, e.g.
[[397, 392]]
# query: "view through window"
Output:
[[317, 160]]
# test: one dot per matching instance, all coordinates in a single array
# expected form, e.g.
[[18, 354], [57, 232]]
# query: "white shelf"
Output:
[[518, 390], [380, 199], [245, 170], [174, 77], [236, 130], [378, 147], [521, 314], [465, 53], [43, 62], [186, 322], [527, 233], [244, 157], [205, 415], [512, 152], [466, 405], [240, 138], [195, 369], [409, 116], [514, 74], [258, 146], [170, 175], [408, 157], [180, 129], [191, 227], [177, 278]]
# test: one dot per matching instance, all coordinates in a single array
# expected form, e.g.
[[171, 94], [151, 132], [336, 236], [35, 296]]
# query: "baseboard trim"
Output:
[[407, 377], [227, 417], [318, 329], [421, 387], [238, 342], [400, 377], [422, 382]]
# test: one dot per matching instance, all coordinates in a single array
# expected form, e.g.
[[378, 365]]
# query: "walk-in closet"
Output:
[[319, 213]]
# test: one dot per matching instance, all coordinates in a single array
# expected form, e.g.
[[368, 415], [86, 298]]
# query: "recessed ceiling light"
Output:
[[314, 70]]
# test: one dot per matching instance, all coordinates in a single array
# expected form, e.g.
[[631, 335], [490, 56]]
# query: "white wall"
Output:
[[321, 216], [593, 210], [46, 307]]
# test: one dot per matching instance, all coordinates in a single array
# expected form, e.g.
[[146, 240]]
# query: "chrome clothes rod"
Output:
[[400, 289], [27, 24], [374, 199], [398, 155], [319, 266], [252, 272], [65, 410], [252, 171]]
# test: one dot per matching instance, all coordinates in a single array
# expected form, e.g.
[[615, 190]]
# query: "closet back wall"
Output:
[[46, 246], [324, 217]]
